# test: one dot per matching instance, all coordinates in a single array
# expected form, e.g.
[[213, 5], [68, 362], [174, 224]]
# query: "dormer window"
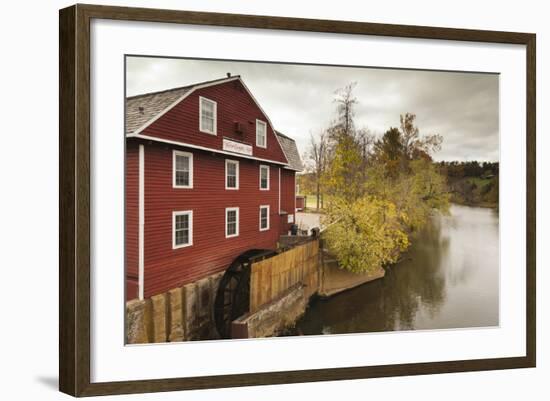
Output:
[[208, 116], [261, 134]]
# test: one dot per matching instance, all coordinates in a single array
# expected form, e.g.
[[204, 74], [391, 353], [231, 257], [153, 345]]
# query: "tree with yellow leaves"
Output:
[[366, 233], [376, 199]]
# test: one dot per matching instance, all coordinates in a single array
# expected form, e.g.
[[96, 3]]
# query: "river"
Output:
[[449, 278]]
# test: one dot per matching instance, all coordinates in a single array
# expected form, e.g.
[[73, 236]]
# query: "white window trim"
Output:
[[260, 122], [228, 161], [201, 128], [180, 213], [176, 153], [228, 209], [260, 214], [268, 174]]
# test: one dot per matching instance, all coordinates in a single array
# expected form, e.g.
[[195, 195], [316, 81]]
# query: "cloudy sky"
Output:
[[462, 107]]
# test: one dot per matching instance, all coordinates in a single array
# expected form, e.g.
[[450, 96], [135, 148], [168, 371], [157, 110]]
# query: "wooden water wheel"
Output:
[[233, 295]]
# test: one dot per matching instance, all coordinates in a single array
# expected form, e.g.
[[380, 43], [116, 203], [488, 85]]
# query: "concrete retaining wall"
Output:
[[181, 314], [272, 318]]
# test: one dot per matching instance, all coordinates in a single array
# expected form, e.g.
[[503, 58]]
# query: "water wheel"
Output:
[[233, 295]]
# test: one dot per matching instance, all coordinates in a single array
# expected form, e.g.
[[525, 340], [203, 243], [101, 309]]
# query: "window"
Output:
[[231, 222], [231, 174], [182, 229], [264, 177], [264, 217], [208, 115], [261, 134], [182, 169]]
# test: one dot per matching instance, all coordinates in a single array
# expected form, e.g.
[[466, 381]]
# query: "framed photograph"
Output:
[[249, 200]]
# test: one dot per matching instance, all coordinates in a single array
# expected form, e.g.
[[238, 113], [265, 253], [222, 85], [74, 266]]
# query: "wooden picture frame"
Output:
[[74, 199]]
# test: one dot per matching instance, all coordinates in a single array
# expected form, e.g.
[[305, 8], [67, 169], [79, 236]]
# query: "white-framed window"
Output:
[[231, 174], [261, 134], [231, 222], [208, 119], [264, 217], [182, 229], [182, 169], [264, 177]]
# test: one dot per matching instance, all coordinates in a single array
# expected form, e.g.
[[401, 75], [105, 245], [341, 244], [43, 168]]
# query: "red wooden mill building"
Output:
[[207, 178]]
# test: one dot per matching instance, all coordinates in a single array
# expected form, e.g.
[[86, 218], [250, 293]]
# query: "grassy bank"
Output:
[[475, 191], [311, 204]]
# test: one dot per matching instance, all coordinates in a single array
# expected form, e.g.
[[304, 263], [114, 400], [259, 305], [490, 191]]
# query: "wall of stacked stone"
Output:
[[181, 314]]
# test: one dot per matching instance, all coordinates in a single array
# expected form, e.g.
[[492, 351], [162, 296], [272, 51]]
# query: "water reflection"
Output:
[[448, 279]]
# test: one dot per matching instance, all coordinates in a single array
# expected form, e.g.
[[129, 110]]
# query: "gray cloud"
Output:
[[462, 107]]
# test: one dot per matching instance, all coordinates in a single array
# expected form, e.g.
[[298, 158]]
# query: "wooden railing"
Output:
[[271, 277]]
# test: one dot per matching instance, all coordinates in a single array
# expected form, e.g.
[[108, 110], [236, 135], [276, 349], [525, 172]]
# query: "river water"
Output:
[[449, 278]]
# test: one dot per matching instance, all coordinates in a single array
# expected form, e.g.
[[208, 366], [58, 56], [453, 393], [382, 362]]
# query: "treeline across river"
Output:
[[472, 183]]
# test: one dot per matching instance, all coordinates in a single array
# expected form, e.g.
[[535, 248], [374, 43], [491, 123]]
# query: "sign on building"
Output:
[[237, 147]]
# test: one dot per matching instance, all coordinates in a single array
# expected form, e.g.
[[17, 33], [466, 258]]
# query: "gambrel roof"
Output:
[[291, 151], [143, 110]]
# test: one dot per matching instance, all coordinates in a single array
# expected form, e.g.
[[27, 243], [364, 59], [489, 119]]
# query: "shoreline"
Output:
[[483, 205]]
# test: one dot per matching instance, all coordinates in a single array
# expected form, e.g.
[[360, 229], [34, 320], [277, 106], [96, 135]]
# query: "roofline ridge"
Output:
[[183, 87], [284, 136]]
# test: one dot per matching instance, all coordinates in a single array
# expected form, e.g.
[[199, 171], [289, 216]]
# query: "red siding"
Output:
[[288, 197], [131, 216], [300, 202], [234, 104], [166, 268], [211, 252]]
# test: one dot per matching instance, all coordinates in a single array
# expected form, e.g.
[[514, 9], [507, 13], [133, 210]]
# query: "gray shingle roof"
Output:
[[291, 152], [142, 108]]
